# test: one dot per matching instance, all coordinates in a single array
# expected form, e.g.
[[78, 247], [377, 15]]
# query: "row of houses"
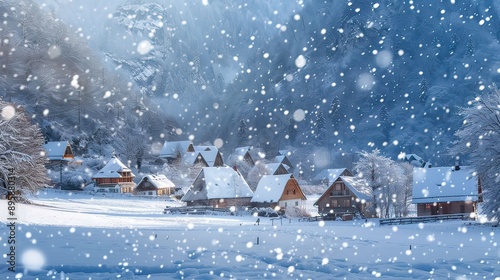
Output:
[[436, 190]]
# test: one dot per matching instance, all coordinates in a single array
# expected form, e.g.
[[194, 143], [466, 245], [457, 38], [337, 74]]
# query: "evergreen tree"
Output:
[[319, 127], [242, 132], [470, 47], [384, 120], [423, 90]]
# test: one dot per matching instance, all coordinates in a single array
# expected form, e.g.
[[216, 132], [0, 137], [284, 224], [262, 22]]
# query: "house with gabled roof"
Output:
[[155, 185], [346, 195], [278, 190], [283, 159], [59, 151], [210, 158], [243, 155], [218, 187], [328, 176], [445, 190], [275, 168], [173, 150], [114, 177]]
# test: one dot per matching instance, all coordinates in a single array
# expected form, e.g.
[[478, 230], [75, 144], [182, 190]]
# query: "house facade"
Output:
[[280, 191], [445, 190], [346, 195], [114, 177], [155, 185], [218, 187]]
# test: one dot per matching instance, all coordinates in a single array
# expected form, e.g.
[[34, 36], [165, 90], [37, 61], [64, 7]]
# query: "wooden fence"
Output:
[[424, 219]]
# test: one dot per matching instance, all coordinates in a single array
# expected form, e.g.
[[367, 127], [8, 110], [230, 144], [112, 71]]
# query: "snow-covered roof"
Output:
[[444, 184], [209, 157], [159, 181], [271, 168], [270, 188], [279, 158], [358, 187], [112, 169], [205, 148], [283, 152], [330, 175], [218, 182], [416, 160], [241, 151], [171, 148], [56, 150]]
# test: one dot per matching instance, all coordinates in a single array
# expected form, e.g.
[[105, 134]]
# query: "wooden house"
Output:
[[114, 177], [283, 159], [445, 190], [280, 191], [346, 195], [275, 168], [243, 155], [155, 185], [175, 150], [328, 176], [210, 158], [59, 153], [218, 187]]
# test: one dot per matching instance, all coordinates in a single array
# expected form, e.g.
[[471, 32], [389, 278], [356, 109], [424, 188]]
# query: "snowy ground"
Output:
[[77, 236]]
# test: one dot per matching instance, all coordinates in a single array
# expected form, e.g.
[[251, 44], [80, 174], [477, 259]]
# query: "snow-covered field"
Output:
[[79, 236]]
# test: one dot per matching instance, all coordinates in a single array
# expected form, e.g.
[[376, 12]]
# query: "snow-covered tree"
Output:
[[21, 151], [375, 169], [478, 141]]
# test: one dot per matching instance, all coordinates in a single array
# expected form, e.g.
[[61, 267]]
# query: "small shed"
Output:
[[278, 190], [155, 185]]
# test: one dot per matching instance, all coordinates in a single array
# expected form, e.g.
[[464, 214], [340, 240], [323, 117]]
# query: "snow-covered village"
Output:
[[203, 139]]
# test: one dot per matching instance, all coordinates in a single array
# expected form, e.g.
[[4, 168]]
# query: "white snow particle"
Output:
[[239, 258], [33, 259], [384, 59], [218, 143], [325, 261], [45, 112], [144, 47], [365, 81], [376, 5], [299, 115], [204, 2], [107, 94], [54, 51], [300, 61], [8, 112]]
